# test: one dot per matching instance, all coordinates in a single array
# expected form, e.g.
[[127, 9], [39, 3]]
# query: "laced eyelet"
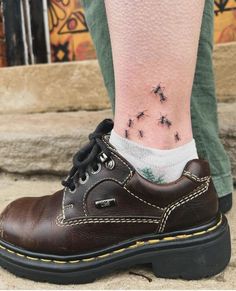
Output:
[[72, 191], [110, 164], [99, 167], [103, 157], [84, 181]]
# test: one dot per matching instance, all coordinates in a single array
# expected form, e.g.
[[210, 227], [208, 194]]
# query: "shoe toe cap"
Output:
[[28, 223]]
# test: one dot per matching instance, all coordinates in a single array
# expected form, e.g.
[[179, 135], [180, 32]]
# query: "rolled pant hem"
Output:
[[223, 184]]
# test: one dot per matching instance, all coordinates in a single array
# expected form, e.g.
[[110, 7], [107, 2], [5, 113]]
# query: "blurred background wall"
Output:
[[55, 30]]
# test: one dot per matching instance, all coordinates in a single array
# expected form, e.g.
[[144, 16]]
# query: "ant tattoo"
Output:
[[159, 91], [126, 133], [163, 120], [177, 137], [141, 114], [140, 133], [130, 123], [163, 97]]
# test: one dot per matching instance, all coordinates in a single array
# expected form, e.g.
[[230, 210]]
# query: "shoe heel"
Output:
[[206, 257]]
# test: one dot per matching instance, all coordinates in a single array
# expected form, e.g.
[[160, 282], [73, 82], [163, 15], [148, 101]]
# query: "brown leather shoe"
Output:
[[109, 217]]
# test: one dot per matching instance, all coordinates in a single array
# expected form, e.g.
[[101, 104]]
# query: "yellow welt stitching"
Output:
[[45, 260], [182, 236], [20, 255], [104, 256], [119, 251], [59, 262], [200, 232], [169, 238], [31, 258], [132, 246], [136, 245], [140, 243], [88, 260], [153, 241]]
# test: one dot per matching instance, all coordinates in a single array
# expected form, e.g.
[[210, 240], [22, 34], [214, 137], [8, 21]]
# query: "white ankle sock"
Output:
[[158, 166]]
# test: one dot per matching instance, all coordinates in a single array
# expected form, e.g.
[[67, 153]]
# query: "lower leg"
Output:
[[154, 53], [154, 44]]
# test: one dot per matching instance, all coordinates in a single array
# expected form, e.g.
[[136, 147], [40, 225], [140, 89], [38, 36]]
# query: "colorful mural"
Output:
[[70, 39], [69, 36], [225, 21]]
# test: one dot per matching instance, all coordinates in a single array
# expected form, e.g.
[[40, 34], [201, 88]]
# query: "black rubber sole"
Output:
[[225, 203], [187, 255]]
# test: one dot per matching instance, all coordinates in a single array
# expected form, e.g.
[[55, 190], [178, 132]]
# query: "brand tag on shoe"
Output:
[[105, 203]]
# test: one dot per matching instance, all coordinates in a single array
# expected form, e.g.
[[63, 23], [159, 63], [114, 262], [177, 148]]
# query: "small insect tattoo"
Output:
[[126, 133], [130, 123], [163, 120], [140, 133], [141, 114], [177, 137], [159, 91], [163, 97]]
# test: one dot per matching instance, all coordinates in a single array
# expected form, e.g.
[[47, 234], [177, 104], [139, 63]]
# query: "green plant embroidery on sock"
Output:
[[148, 174]]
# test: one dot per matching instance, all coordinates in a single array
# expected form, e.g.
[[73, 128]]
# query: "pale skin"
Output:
[[154, 42]]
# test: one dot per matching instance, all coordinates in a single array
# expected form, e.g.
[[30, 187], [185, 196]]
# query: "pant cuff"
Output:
[[223, 184]]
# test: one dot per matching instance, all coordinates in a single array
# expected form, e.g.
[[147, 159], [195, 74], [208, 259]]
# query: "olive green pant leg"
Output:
[[96, 19], [204, 108], [203, 102]]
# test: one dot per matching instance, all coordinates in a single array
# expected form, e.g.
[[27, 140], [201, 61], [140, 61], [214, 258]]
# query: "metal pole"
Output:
[[29, 30], [46, 29], [26, 57]]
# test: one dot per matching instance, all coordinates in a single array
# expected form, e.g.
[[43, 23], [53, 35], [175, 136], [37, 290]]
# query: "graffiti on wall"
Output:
[[70, 38], [225, 21]]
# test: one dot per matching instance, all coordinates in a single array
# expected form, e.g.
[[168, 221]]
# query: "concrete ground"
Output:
[[13, 187]]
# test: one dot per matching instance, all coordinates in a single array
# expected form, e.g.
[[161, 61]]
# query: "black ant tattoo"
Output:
[[140, 133], [156, 90], [130, 123], [159, 91], [177, 137], [163, 120], [141, 114], [126, 133], [163, 97]]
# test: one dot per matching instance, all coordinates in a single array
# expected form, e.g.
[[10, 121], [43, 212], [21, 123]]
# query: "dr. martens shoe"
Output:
[[108, 217]]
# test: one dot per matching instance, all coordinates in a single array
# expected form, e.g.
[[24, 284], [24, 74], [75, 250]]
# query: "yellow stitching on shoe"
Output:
[[182, 236], [200, 232], [153, 241], [46, 260], [32, 258], [104, 256], [140, 243], [119, 251], [20, 255], [169, 238], [59, 262], [136, 245], [88, 260]]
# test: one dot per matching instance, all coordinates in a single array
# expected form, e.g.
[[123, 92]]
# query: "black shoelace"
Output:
[[88, 155]]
